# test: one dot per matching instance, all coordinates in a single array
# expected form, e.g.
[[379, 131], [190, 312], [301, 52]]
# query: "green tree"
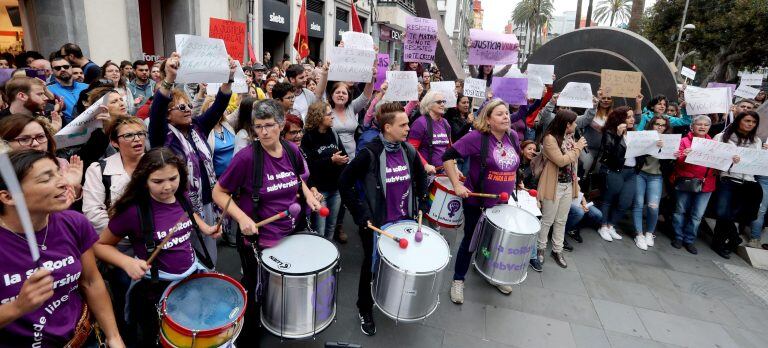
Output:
[[534, 15], [618, 10], [730, 35]]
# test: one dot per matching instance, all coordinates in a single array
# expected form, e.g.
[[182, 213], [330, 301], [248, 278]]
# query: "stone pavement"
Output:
[[611, 295]]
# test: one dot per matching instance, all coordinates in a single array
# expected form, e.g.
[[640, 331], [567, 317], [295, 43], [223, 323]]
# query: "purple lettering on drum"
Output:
[[453, 207], [324, 299], [509, 267], [526, 249]]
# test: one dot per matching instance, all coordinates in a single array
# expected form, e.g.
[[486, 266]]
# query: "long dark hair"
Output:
[[650, 124], [558, 126], [137, 191], [733, 128], [615, 118], [244, 118]]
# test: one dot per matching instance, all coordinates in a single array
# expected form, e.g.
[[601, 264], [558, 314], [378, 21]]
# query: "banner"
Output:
[[688, 72], [671, 145], [356, 40], [641, 143], [79, 130], [510, 90], [745, 91], [420, 40], [448, 89], [711, 154], [351, 64], [703, 101], [474, 88], [239, 86], [625, 84], [535, 88], [233, 34], [751, 162], [751, 79], [544, 72], [576, 95], [203, 60], [489, 48], [382, 65], [403, 86]]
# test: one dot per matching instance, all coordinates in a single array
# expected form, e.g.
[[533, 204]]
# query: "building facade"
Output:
[[457, 20]]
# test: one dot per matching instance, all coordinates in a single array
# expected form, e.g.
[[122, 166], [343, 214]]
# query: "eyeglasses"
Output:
[[660, 124], [441, 102], [65, 67], [27, 141], [132, 136], [181, 107], [267, 127], [294, 133]]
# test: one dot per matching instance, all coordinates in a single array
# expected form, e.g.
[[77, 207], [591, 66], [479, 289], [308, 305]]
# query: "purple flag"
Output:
[[420, 40], [489, 48], [382, 64], [510, 90]]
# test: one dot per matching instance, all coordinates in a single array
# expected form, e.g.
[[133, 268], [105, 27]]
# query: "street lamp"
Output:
[[683, 27]]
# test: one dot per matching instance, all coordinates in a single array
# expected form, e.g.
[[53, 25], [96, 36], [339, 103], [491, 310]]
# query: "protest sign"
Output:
[[448, 89], [474, 88], [702, 101], [544, 72], [688, 73], [351, 64], [535, 87], [745, 91], [403, 86], [382, 65], [357, 40], [514, 72], [232, 33], [510, 90], [5, 75], [641, 143], [617, 83], [526, 202], [711, 154], [751, 161], [420, 40], [731, 86], [577, 95], [79, 130], [751, 79], [490, 48], [671, 145], [762, 128], [239, 86], [203, 60]]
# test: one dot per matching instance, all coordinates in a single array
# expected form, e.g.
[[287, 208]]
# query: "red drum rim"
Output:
[[209, 332], [441, 186]]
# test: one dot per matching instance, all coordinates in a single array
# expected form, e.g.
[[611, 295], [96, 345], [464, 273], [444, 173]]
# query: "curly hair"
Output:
[[315, 115]]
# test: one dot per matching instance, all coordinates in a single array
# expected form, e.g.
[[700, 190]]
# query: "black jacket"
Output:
[[364, 173], [459, 125], [612, 151], [318, 149]]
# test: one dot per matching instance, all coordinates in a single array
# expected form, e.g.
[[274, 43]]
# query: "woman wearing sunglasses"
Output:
[[431, 133], [173, 125]]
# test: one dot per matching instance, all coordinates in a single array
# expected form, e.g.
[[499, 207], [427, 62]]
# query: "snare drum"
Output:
[[445, 207], [504, 248], [299, 282], [407, 281], [203, 310]]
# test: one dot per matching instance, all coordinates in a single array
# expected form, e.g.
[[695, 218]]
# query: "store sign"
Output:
[[276, 16], [389, 34], [341, 27], [315, 24]]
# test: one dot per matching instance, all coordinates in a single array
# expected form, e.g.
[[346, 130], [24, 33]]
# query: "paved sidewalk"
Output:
[[611, 295]]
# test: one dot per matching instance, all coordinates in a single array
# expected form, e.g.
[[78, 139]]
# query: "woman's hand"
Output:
[[115, 342], [74, 172], [313, 203], [172, 67], [621, 129], [214, 231], [554, 97], [430, 169], [37, 289], [135, 268], [659, 143], [317, 194], [339, 159], [581, 143], [232, 67], [639, 99], [765, 146], [247, 226], [736, 159], [461, 190]]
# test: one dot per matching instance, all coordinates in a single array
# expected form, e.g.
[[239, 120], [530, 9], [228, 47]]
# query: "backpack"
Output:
[[106, 180], [537, 165]]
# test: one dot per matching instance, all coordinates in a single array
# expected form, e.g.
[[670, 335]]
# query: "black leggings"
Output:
[[144, 298], [364, 297]]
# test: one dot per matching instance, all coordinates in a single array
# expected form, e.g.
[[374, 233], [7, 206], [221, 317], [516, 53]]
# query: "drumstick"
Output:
[[223, 214], [164, 241], [403, 242], [292, 210], [504, 196], [419, 236]]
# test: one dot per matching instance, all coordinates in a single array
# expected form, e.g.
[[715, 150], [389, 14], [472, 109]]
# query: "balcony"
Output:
[[406, 4]]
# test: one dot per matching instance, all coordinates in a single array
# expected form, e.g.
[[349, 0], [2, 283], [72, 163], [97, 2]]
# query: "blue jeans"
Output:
[[463, 255], [688, 213], [325, 226], [619, 195], [647, 197], [577, 218], [757, 225]]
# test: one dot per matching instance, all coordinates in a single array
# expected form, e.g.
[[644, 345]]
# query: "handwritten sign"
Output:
[[474, 88], [671, 145], [702, 101], [535, 87], [357, 40], [688, 72], [203, 60], [751, 79], [731, 86], [745, 91], [382, 65], [403, 86], [577, 95], [711, 154], [526, 202], [510, 90], [625, 84], [233, 34], [351, 64], [420, 40], [751, 161], [490, 48], [544, 72], [79, 130], [641, 143], [239, 86], [448, 89]]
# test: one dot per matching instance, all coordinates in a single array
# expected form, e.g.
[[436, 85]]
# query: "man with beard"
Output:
[[74, 55], [27, 96], [65, 86], [77, 74], [142, 87], [297, 77]]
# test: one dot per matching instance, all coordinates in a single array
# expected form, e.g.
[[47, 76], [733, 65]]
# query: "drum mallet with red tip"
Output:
[[504, 196], [403, 242]]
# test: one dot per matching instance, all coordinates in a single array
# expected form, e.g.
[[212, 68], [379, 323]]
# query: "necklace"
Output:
[[45, 237]]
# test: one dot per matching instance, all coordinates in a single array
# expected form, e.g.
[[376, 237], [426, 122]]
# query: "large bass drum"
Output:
[[508, 236]]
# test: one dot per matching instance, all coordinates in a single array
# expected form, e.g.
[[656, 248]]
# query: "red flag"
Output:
[[356, 26], [301, 41], [251, 55]]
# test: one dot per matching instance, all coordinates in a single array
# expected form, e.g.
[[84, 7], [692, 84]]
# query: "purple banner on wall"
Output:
[[382, 64], [510, 90]]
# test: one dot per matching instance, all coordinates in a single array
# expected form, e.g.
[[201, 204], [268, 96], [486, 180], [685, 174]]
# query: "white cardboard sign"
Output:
[[577, 95], [203, 60], [403, 86]]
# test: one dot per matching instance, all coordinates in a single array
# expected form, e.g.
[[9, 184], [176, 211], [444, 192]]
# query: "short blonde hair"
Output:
[[481, 121], [428, 99], [315, 115]]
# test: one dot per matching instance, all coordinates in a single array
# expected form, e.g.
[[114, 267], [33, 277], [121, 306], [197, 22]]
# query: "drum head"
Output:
[[205, 303], [513, 219], [443, 181], [429, 255], [300, 254]]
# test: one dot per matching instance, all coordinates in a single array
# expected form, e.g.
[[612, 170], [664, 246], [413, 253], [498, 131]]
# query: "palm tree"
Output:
[[616, 10], [533, 14], [637, 15]]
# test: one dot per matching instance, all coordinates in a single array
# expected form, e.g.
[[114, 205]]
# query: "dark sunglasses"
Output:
[[65, 67], [182, 107]]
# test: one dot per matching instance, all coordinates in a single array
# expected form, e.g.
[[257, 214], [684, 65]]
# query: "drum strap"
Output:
[[483, 162], [207, 260], [147, 223]]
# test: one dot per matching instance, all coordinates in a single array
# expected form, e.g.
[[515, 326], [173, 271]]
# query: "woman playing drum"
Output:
[[403, 191], [494, 174]]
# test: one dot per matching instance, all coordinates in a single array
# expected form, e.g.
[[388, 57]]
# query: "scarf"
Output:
[[390, 146], [193, 165]]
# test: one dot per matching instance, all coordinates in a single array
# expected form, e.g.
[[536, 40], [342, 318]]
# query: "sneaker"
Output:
[[691, 249], [612, 232], [649, 236], [576, 235], [540, 255], [504, 289], [536, 265], [457, 291], [640, 241], [754, 243], [559, 259], [603, 231], [366, 323], [567, 246], [677, 244]]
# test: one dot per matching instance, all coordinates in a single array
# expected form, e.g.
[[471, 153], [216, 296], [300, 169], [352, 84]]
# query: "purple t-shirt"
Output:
[[69, 235], [441, 138], [501, 169], [277, 193], [398, 177], [177, 255]]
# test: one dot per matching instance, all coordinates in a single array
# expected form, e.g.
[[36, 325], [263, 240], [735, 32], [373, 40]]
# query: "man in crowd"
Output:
[[44, 65], [297, 77], [283, 93], [77, 74], [74, 55], [65, 87], [27, 96], [142, 87], [258, 74]]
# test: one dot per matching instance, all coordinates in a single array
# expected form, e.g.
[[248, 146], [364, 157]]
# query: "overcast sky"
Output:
[[497, 12]]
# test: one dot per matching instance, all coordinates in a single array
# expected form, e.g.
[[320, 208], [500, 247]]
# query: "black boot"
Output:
[[576, 235]]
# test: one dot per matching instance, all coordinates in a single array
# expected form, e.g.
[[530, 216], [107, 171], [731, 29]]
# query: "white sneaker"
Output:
[[457, 291], [640, 242], [649, 236], [504, 289], [603, 231], [612, 232]]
